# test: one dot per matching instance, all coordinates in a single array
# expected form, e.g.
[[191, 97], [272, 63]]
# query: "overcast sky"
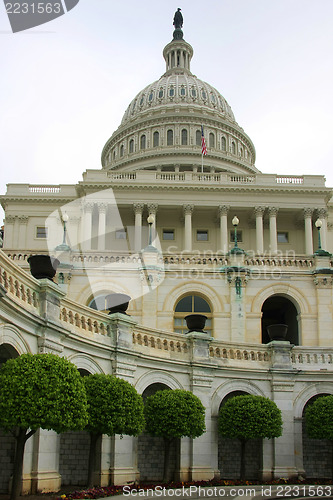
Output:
[[65, 85]]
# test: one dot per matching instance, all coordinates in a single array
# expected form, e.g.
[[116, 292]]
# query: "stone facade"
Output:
[[187, 259]]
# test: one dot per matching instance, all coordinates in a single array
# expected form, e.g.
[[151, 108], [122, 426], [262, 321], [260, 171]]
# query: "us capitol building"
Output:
[[181, 234]]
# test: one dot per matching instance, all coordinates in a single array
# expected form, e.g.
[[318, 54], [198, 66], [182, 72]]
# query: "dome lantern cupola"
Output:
[[178, 53]]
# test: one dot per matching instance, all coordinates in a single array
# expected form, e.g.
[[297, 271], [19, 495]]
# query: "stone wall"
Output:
[[317, 457], [74, 457], [7, 452], [151, 458], [229, 458]]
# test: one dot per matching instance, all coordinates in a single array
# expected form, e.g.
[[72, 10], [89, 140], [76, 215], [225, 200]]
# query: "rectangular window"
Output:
[[168, 234], [282, 237], [202, 235], [121, 234], [41, 232], [239, 236]]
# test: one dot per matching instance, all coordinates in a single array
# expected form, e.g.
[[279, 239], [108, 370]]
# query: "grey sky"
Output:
[[65, 85]]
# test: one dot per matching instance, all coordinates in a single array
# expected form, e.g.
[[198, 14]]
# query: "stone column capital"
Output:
[[223, 210], [322, 213], [102, 207], [23, 219], [273, 211], [259, 211], [307, 212], [188, 209], [88, 207], [152, 208], [138, 208]]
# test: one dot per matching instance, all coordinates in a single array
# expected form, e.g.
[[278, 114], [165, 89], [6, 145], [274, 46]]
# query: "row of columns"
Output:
[[188, 209]]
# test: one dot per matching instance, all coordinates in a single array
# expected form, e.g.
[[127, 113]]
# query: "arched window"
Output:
[[122, 150], [143, 142], [184, 137], [211, 140], [198, 137], [131, 146], [223, 144], [188, 305], [241, 152], [156, 139], [233, 148], [170, 137]]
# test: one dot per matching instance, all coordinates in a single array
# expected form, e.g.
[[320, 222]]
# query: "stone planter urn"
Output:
[[117, 302], [43, 266], [277, 332], [195, 322]]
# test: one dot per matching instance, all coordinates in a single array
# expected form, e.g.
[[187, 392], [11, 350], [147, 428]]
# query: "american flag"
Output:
[[203, 143]]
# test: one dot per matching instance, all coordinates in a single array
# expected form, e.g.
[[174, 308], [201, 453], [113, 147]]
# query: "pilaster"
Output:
[[282, 384]]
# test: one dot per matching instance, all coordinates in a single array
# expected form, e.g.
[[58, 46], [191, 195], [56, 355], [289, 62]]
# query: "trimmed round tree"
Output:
[[249, 417], [39, 391], [114, 407], [319, 420], [171, 415]]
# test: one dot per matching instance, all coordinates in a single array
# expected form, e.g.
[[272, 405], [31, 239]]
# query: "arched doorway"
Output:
[[74, 454], [151, 448], [229, 453], [7, 441], [317, 453], [279, 309]]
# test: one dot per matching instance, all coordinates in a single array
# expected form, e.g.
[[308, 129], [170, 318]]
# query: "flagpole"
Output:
[[202, 163]]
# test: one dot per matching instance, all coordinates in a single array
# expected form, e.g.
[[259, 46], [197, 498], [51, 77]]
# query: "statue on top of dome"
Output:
[[178, 19]]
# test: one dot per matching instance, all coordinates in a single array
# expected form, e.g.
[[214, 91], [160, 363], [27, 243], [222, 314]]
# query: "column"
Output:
[[87, 226], [272, 229], [152, 210], [138, 209], [23, 222], [188, 210], [282, 383], [224, 240], [259, 213], [102, 208], [8, 236], [308, 231], [322, 215]]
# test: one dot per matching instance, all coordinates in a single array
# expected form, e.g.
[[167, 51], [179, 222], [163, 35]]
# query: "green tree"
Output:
[[319, 420], [249, 417], [171, 415], [114, 407], [39, 391]]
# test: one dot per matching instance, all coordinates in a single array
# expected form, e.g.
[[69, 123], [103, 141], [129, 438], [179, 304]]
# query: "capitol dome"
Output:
[[161, 127]]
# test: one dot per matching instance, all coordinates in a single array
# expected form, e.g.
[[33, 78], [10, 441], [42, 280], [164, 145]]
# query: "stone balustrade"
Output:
[[315, 358], [17, 283], [161, 343], [184, 259], [156, 177], [229, 353], [83, 319]]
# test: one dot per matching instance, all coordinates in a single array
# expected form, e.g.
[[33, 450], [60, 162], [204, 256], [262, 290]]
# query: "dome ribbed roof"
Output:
[[179, 89]]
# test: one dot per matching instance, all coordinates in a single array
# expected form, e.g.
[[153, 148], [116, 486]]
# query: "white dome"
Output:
[[180, 89]]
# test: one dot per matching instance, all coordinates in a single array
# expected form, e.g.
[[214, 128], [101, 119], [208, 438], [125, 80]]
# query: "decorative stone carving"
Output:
[[307, 212], [273, 211], [223, 210], [138, 208], [152, 208], [188, 209], [259, 211]]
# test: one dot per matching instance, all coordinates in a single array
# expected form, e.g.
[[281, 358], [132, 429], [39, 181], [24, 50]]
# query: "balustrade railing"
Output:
[[17, 283]]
